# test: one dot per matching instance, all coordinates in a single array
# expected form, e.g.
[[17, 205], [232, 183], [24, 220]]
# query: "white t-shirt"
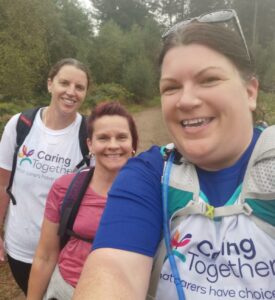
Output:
[[44, 156], [227, 259]]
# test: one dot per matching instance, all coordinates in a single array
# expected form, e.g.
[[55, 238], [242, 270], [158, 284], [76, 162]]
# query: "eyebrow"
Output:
[[210, 68], [201, 72]]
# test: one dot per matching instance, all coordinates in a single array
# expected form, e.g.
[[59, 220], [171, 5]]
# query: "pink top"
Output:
[[75, 252]]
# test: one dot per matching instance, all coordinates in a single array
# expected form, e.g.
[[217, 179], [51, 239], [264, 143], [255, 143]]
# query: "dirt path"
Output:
[[151, 128], [151, 131]]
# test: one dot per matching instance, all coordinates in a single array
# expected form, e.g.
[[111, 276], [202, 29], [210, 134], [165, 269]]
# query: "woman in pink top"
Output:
[[112, 141]]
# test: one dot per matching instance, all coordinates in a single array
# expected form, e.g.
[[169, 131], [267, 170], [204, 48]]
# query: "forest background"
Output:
[[119, 40]]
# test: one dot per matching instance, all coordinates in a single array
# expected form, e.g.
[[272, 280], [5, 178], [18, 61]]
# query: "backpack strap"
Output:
[[82, 136], [71, 203], [23, 127]]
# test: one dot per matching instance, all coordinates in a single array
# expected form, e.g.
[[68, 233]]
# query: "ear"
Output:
[[252, 87], [49, 85], [89, 144]]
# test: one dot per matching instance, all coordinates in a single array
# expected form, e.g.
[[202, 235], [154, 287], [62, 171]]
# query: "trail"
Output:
[[151, 128]]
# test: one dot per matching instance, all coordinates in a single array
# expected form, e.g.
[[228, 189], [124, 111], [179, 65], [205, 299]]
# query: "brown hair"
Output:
[[69, 62], [215, 36], [112, 109]]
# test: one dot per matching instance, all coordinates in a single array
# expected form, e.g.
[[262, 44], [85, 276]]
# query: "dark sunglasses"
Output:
[[213, 17]]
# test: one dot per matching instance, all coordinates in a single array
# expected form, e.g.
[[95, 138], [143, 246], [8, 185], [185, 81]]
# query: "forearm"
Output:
[[44, 262], [40, 276], [4, 203], [111, 278], [4, 198]]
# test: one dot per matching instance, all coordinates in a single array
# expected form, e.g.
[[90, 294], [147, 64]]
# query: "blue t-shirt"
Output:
[[133, 216], [219, 186]]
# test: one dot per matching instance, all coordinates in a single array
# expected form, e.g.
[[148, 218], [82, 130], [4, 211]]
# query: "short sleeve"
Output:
[[132, 219], [8, 143]]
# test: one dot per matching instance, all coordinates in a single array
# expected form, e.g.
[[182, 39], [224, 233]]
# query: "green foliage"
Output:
[[35, 34], [8, 109], [125, 13], [127, 58], [106, 92], [22, 48], [138, 77], [266, 105], [106, 55]]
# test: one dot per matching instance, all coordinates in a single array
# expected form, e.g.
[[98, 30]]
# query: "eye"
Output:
[[80, 87], [169, 89], [64, 83], [102, 138], [210, 80], [122, 137]]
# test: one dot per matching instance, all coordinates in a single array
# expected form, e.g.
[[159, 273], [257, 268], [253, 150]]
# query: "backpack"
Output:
[[257, 196], [70, 206], [23, 127]]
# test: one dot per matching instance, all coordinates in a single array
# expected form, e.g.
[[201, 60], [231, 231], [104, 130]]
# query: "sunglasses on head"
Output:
[[213, 17]]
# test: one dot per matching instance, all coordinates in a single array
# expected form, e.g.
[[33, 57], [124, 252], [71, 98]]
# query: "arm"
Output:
[[114, 274], [45, 259], [7, 147], [4, 203]]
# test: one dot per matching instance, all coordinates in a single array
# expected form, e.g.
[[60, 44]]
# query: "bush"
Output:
[[138, 77], [106, 92]]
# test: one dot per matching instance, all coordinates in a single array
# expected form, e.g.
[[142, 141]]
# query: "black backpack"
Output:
[[23, 127], [70, 206]]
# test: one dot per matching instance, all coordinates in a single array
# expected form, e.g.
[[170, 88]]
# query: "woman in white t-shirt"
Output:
[[50, 149]]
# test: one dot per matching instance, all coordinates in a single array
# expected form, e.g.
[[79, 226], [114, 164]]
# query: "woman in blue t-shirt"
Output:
[[214, 249]]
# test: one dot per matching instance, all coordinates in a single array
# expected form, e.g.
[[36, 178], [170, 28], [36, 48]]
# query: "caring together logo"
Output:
[[177, 242], [211, 265], [25, 155], [43, 161]]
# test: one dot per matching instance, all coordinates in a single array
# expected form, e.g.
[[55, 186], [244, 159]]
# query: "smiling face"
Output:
[[68, 89], [207, 106], [111, 142]]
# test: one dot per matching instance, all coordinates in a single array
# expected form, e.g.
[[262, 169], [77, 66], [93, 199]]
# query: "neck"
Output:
[[102, 181], [54, 120]]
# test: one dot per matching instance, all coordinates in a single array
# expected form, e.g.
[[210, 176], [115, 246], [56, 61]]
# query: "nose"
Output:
[[70, 90], [113, 143], [188, 98]]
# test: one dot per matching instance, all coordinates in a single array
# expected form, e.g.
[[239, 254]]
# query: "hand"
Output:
[[2, 250]]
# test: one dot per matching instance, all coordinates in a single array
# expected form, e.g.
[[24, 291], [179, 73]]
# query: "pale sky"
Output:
[[85, 3]]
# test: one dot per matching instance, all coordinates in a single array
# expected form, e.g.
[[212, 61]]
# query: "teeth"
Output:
[[196, 122], [113, 155], [70, 101]]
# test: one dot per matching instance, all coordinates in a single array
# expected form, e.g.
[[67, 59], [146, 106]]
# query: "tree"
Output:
[[22, 48], [106, 56], [169, 12], [35, 34], [138, 78], [125, 13]]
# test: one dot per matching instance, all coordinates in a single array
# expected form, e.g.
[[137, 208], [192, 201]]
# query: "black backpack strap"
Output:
[[82, 136], [71, 203], [23, 127]]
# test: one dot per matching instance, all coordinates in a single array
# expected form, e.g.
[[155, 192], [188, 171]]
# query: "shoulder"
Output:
[[148, 160], [141, 174], [56, 196], [11, 124], [63, 182]]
